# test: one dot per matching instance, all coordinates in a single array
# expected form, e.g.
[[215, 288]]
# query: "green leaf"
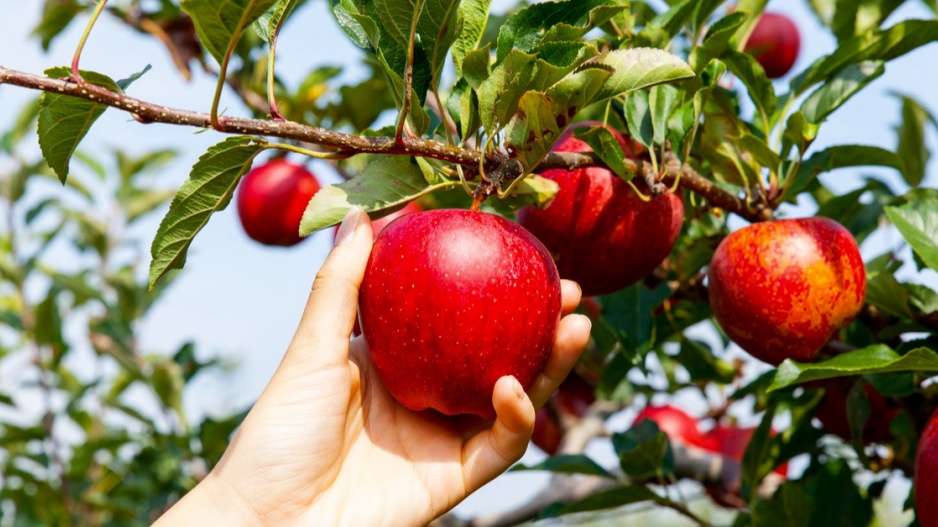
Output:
[[791, 505], [662, 101], [349, 19], [25, 123], [125, 83], [474, 14], [884, 45], [631, 313], [702, 365], [439, 26], [760, 151], [605, 145], [839, 89], [922, 298], [672, 20], [886, 293], [843, 156], [644, 450], [533, 190], [168, 384], [637, 68], [759, 86], [874, 359], [221, 22], [386, 183], [208, 190], [911, 134], [269, 23], [918, 223], [607, 499], [568, 464], [564, 20], [64, 120], [56, 16]]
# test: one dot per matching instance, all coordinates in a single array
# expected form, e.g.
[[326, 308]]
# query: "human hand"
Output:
[[326, 444]]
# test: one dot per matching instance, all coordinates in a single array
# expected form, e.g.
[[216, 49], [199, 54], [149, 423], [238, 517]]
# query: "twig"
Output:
[[414, 146]]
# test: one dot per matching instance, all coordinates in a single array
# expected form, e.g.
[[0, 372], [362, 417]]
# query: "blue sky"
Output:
[[242, 301]]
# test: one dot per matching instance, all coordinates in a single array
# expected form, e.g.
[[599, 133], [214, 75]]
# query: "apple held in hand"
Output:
[[775, 43], [781, 289], [602, 235], [451, 301], [272, 199], [926, 475]]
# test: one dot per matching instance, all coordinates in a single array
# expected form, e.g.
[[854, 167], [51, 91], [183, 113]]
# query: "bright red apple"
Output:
[[832, 412], [602, 235], [675, 423], [775, 43], [781, 289], [926, 475], [272, 199], [451, 301], [573, 398]]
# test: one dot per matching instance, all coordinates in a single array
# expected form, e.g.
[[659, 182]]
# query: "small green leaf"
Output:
[[64, 120], [270, 22], [839, 89], [843, 156], [475, 14], [607, 499], [386, 183], [568, 464], [702, 365], [911, 134], [125, 83], [874, 359], [208, 190], [220, 22], [759, 86], [673, 20], [605, 145], [56, 16], [168, 384], [918, 223], [644, 451], [791, 505], [886, 293], [760, 151], [637, 68]]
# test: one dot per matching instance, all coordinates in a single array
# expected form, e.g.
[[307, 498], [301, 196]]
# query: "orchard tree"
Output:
[[678, 129]]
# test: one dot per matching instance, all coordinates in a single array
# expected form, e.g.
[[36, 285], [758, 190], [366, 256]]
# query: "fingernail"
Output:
[[578, 288], [348, 227], [519, 390]]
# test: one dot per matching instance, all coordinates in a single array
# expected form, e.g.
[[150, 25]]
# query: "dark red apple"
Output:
[[675, 423], [781, 289], [832, 412], [602, 235], [573, 398], [272, 199], [774, 42], [926, 475], [451, 301]]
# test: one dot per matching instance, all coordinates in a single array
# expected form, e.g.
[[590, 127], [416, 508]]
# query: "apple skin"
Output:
[[832, 412], [926, 475], [271, 200], [573, 398], [781, 289], [775, 42], [451, 301], [676, 424], [602, 235]]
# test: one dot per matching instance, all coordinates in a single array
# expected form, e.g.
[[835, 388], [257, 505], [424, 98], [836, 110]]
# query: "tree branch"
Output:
[[146, 112]]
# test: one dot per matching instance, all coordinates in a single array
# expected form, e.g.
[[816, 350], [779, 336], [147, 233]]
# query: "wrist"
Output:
[[211, 502]]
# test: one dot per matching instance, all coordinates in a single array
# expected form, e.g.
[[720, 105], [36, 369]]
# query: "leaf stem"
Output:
[[223, 73], [271, 96], [84, 39], [408, 77]]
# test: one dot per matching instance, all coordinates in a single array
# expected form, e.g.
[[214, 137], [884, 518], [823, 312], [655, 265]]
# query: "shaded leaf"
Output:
[[568, 464], [873, 359], [918, 223], [220, 22]]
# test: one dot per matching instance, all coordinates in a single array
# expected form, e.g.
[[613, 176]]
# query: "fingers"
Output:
[[489, 453], [570, 294], [573, 333], [331, 309]]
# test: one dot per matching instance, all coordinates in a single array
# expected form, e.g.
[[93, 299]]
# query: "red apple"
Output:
[[675, 423], [781, 289], [272, 199], [602, 235], [926, 475], [774, 42], [573, 398], [832, 412], [731, 442], [451, 301]]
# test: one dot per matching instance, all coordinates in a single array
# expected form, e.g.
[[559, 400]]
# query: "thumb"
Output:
[[333, 302]]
